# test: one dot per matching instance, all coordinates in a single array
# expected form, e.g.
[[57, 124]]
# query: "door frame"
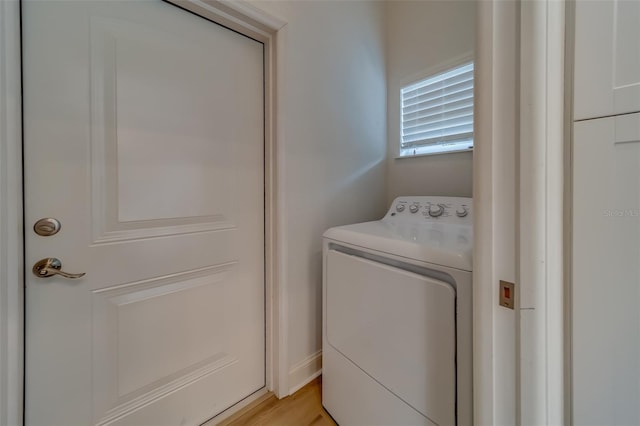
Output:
[[11, 230], [495, 200], [521, 222], [544, 220], [239, 16]]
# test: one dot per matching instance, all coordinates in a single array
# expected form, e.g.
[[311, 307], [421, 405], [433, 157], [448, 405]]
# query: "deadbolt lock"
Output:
[[47, 227]]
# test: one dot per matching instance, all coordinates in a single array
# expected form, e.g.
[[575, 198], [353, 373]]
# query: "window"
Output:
[[437, 113]]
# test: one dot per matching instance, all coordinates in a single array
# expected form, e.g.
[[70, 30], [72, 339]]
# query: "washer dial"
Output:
[[436, 210]]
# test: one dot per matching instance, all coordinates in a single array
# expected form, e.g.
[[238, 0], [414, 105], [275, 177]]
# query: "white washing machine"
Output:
[[397, 336]]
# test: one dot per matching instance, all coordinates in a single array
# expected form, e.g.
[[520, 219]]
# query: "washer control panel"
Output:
[[446, 209]]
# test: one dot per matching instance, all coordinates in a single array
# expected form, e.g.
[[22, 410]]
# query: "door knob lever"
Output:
[[51, 266]]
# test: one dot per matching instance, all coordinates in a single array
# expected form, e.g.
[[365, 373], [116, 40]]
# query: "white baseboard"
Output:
[[305, 371]]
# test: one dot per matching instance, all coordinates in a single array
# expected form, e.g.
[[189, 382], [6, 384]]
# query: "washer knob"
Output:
[[400, 208], [435, 210], [462, 212], [413, 208]]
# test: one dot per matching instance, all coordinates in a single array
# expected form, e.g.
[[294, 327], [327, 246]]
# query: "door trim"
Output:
[[239, 16], [541, 340], [495, 197], [11, 234]]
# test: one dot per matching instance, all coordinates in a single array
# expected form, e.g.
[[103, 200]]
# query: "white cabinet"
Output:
[[605, 298], [607, 58], [606, 271]]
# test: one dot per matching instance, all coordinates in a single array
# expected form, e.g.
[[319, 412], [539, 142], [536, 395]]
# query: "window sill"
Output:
[[432, 154]]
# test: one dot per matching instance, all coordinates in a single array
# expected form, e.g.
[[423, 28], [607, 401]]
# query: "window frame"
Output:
[[423, 75]]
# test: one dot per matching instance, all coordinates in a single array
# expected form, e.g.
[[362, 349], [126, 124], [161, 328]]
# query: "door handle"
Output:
[[51, 266]]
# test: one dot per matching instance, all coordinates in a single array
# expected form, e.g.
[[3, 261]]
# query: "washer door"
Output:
[[398, 327]]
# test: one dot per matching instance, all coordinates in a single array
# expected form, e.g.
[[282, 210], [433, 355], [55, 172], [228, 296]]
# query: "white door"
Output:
[[144, 139], [607, 58], [606, 271]]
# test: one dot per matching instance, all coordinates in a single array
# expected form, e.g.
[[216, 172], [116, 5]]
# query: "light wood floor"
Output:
[[303, 408]]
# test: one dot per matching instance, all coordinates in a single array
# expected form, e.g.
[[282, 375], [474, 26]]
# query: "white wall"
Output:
[[423, 35], [333, 151]]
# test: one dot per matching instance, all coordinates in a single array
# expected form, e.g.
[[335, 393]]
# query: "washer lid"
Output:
[[443, 244]]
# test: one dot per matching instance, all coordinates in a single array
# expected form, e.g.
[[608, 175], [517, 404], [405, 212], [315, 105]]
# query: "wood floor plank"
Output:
[[304, 408]]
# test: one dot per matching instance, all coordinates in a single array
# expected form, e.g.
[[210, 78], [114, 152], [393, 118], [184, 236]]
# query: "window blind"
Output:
[[437, 113]]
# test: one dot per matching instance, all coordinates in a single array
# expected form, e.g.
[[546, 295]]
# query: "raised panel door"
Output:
[[144, 137]]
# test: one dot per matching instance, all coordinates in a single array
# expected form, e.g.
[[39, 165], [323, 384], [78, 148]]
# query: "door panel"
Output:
[[607, 58], [606, 271], [144, 138], [123, 87]]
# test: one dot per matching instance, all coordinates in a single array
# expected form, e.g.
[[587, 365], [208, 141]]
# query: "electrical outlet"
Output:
[[507, 294]]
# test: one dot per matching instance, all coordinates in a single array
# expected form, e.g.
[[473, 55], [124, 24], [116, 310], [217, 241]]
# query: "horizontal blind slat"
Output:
[[447, 131], [413, 90], [458, 81], [410, 123], [438, 109], [439, 125], [438, 140], [441, 76], [436, 94], [444, 100]]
